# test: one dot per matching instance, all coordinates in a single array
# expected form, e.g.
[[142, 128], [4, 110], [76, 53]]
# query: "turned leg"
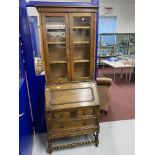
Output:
[[49, 146], [96, 139], [131, 71], [121, 73]]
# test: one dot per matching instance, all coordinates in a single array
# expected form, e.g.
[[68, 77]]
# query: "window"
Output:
[[107, 25]]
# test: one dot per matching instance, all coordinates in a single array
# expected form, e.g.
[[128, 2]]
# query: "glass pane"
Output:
[[81, 70], [81, 46], [56, 39], [81, 36], [81, 21], [58, 71]]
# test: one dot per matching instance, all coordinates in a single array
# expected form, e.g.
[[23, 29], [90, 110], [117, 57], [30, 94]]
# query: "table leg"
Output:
[[131, 70], [114, 74], [121, 73], [126, 76]]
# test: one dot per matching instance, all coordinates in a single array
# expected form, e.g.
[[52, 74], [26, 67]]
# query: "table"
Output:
[[121, 64]]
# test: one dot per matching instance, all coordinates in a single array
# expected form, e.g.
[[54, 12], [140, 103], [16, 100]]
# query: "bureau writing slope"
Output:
[[68, 41]]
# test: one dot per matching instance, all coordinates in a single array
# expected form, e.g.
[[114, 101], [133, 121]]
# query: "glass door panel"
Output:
[[56, 41], [81, 46]]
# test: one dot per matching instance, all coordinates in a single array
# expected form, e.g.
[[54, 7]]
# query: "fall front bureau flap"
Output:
[[71, 95]]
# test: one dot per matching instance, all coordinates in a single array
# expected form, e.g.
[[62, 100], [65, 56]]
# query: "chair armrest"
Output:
[[104, 81]]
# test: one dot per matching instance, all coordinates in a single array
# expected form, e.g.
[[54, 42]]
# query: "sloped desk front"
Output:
[[72, 109]]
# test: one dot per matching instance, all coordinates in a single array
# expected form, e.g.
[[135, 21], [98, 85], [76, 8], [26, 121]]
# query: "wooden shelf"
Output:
[[56, 46], [58, 80], [82, 60], [81, 27], [81, 42], [82, 77], [57, 62], [55, 27], [55, 43]]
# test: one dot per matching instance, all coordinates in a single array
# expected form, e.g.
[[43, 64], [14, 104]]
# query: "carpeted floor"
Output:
[[122, 105]]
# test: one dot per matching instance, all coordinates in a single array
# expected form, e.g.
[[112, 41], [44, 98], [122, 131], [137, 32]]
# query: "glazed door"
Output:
[[82, 45], [56, 46]]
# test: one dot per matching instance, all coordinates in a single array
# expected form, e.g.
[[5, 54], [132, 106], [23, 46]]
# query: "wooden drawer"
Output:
[[71, 114], [86, 112], [56, 126], [61, 115]]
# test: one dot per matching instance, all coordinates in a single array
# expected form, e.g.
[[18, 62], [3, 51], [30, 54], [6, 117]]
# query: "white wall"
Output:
[[123, 9], [125, 12]]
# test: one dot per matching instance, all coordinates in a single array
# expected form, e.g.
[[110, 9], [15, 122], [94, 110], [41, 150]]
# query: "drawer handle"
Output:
[[74, 114]]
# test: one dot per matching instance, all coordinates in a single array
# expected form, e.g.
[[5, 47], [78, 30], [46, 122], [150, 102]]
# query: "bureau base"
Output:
[[71, 145]]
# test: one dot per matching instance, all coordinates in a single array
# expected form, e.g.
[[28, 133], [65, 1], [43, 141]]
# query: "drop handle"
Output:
[[20, 115]]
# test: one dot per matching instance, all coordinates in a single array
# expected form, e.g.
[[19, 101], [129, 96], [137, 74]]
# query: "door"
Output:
[[35, 83], [56, 45], [82, 45], [25, 119]]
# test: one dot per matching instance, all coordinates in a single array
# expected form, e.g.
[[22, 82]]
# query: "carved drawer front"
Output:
[[86, 112], [61, 115], [55, 126]]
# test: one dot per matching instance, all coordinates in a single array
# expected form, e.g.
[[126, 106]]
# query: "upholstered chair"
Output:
[[104, 90]]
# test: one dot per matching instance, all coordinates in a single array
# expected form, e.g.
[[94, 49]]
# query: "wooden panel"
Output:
[[71, 45], [81, 14], [71, 114], [92, 46], [85, 112], [45, 52], [68, 49], [55, 126], [58, 115], [72, 132], [71, 96], [63, 9]]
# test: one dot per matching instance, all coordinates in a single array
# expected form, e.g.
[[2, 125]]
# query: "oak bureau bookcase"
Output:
[[68, 41]]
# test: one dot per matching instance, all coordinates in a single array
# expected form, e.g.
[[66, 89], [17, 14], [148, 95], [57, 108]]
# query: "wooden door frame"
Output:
[[45, 44], [92, 37]]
